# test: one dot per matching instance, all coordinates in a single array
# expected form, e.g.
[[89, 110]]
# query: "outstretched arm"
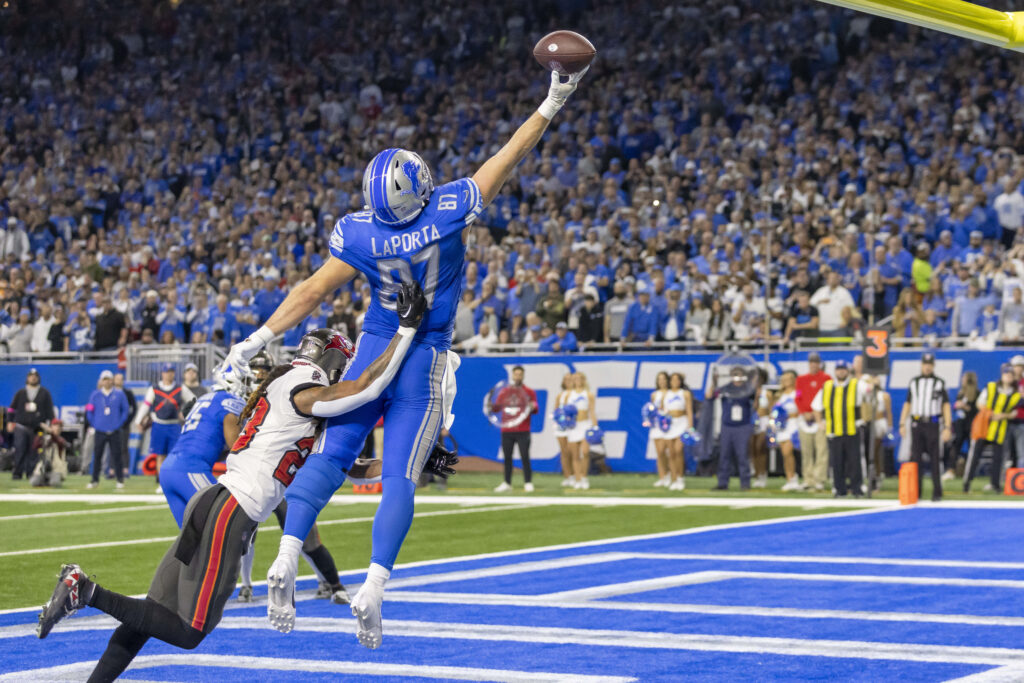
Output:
[[308, 294], [299, 303], [496, 170]]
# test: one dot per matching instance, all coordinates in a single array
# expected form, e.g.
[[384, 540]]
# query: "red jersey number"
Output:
[[252, 425], [292, 460]]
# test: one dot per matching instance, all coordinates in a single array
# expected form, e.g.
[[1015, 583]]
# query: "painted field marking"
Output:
[[461, 673], [1004, 674], [660, 583], [569, 500], [580, 544], [502, 600], [833, 559], [801, 647], [509, 569], [265, 525], [81, 513]]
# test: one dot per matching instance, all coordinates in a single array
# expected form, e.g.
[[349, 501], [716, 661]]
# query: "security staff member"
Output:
[[928, 406], [1001, 401], [838, 403], [737, 404], [32, 408]]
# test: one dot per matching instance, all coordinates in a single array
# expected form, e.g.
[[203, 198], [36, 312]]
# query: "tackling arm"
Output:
[[348, 395]]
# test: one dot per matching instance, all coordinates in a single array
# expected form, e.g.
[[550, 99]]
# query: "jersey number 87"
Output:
[[431, 255]]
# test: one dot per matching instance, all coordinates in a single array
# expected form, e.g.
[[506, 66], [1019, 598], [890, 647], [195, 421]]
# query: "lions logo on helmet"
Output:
[[396, 186]]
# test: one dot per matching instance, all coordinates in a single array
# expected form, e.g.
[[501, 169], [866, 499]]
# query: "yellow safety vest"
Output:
[[840, 408], [998, 402]]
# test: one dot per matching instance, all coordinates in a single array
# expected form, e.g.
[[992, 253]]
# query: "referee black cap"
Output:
[[928, 357]]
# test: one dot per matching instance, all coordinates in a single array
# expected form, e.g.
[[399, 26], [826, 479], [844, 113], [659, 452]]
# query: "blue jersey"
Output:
[[429, 250], [202, 436]]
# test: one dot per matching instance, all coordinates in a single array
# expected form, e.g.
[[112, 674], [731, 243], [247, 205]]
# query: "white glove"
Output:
[[241, 353], [558, 93]]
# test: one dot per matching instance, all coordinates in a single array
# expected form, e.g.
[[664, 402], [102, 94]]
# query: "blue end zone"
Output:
[[719, 629]]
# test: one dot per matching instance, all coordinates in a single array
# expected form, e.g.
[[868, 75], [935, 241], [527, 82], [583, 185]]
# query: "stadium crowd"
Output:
[[173, 169]]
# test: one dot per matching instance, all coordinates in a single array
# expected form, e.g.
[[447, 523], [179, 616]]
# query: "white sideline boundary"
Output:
[[739, 501]]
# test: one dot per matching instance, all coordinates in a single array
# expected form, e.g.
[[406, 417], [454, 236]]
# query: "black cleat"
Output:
[[70, 595]]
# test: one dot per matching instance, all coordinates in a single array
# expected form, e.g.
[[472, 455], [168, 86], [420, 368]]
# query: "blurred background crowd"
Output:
[[730, 172]]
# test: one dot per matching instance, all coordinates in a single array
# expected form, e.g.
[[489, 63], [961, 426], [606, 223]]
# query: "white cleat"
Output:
[[569, 483], [760, 482], [677, 485], [662, 483], [528, 487], [281, 596], [503, 487], [366, 610]]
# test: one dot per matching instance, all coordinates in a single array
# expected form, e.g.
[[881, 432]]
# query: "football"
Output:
[[566, 52]]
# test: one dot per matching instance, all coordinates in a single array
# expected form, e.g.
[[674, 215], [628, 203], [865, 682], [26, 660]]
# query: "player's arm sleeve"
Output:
[[462, 199], [376, 387]]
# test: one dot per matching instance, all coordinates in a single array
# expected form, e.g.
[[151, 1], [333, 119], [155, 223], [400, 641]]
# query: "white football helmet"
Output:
[[233, 379], [397, 185]]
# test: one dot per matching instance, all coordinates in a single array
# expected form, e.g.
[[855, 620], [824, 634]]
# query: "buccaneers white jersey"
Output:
[[273, 444]]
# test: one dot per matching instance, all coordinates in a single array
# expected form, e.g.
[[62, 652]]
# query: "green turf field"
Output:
[[122, 546]]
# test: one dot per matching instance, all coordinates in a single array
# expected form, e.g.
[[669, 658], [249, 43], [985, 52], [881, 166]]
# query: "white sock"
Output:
[[247, 560], [376, 578], [289, 549]]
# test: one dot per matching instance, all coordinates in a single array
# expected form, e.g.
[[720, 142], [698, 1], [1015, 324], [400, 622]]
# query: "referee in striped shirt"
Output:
[[928, 406]]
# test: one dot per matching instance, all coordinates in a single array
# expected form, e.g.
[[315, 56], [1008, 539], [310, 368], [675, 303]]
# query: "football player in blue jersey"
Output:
[[210, 427], [409, 231]]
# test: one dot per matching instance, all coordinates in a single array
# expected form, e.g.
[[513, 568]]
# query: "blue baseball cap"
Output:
[[168, 367], [842, 365]]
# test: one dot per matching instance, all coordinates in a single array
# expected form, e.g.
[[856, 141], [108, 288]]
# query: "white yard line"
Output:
[[832, 559], [663, 582], [168, 539], [801, 647], [80, 513], [460, 673], [532, 601]]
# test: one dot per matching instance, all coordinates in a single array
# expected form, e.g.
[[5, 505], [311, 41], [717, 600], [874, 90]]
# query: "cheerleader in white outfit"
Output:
[[661, 444], [785, 402], [563, 435], [679, 406], [583, 399]]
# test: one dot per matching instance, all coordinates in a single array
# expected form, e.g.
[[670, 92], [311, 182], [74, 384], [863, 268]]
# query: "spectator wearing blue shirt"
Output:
[[106, 412], [945, 250], [641, 324], [967, 311], [673, 318], [561, 341], [268, 299], [222, 329]]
